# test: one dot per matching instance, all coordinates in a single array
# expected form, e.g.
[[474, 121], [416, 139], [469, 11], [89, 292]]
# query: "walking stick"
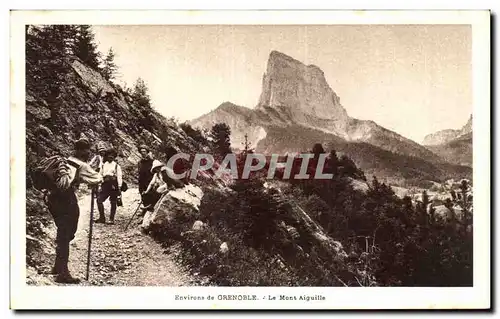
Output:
[[93, 194], [131, 218]]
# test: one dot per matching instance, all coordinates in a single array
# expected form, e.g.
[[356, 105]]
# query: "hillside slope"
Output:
[[458, 150]]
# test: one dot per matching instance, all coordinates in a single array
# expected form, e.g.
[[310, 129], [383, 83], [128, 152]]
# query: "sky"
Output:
[[412, 79]]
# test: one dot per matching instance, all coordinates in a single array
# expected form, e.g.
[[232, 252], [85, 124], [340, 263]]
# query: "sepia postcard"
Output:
[[250, 160]]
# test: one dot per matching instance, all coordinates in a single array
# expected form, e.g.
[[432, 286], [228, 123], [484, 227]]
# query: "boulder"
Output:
[[180, 201], [92, 79]]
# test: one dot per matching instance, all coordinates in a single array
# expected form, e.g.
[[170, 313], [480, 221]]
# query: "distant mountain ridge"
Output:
[[453, 146], [297, 97], [445, 136]]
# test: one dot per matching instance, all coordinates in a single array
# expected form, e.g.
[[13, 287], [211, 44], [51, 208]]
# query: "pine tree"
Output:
[[246, 145], [140, 94], [109, 69], [332, 163], [463, 200], [220, 134], [46, 58], [85, 47]]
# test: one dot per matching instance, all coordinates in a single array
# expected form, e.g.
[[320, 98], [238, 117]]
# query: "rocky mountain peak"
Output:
[[302, 93]]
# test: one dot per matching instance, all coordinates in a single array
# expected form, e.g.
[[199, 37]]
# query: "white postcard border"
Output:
[[27, 297]]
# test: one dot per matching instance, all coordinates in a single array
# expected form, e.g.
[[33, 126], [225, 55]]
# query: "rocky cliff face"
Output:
[[302, 94]]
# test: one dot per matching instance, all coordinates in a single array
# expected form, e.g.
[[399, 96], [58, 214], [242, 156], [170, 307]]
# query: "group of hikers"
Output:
[[61, 177]]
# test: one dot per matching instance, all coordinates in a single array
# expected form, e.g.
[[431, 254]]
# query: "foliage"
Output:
[[140, 94], [109, 68], [85, 47], [220, 134], [395, 241], [48, 48]]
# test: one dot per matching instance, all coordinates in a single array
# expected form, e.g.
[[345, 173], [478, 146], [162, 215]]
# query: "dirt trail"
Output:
[[119, 257]]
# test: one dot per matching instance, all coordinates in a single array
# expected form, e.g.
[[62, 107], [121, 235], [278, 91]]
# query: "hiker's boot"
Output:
[[102, 217], [56, 269], [66, 278], [58, 263], [113, 212]]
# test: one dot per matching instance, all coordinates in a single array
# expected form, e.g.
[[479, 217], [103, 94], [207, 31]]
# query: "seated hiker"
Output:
[[61, 177], [97, 161], [110, 188], [156, 187], [144, 170]]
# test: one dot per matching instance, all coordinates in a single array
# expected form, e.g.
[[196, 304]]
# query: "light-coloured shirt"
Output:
[[86, 174], [156, 182], [96, 162], [112, 169]]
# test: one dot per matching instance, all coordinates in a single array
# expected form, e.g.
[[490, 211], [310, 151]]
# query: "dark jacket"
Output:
[[145, 174]]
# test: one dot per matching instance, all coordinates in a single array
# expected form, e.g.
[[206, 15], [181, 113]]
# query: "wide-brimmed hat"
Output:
[[156, 164]]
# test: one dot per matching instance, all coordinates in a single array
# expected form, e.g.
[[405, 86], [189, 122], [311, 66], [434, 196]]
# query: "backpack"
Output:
[[49, 170], [124, 185]]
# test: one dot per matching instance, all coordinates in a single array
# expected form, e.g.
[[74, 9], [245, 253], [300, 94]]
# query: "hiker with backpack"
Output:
[[61, 177], [110, 187]]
